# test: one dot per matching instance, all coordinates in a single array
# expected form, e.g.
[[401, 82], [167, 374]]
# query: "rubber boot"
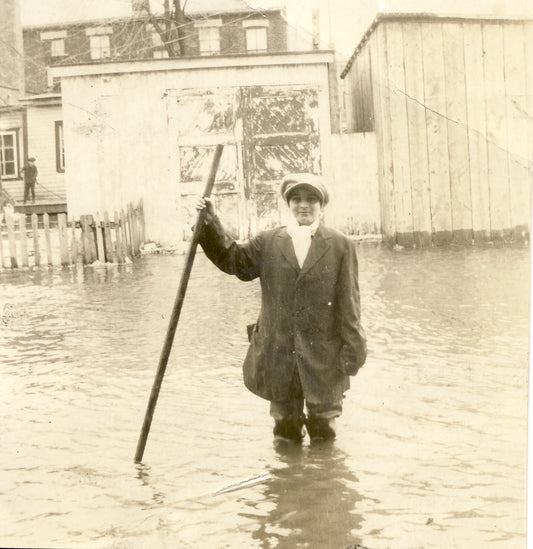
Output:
[[289, 429], [320, 428]]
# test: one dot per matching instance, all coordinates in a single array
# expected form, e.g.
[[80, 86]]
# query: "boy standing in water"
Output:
[[308, 338]]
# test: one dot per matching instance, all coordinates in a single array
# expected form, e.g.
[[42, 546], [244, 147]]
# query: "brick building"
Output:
[[236, 31]]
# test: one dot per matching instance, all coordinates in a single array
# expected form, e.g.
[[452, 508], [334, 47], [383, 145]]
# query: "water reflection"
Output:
[[314, 500]]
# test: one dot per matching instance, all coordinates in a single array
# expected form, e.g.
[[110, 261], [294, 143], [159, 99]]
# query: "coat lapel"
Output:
[[319, 246], [287, 249]]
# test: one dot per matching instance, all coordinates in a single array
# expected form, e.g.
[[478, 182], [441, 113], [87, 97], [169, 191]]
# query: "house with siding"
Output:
[[450, 102]]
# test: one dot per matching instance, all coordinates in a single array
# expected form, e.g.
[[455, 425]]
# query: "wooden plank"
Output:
[[35, 237], [118, 239], [518, 143], [133, 233], [380, 88], [454, 73], [91, 237], [10, 223], [477, 131], [110, 252], [367, 90], [143, 220], [23, 240], [437, 133], [73, 243], [2, 262], [89, 247], [126, 235], [528, 47], [362, 76], [416, 121], [48, 239], [399, 135], [358, 106], [85, 247], [63, 239], [498, 160], [99, 239]]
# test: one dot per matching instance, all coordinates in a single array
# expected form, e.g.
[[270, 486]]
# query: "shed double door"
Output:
[[267, 131]]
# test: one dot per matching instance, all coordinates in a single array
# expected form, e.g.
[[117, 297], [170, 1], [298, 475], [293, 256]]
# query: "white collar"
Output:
[[298, 231]]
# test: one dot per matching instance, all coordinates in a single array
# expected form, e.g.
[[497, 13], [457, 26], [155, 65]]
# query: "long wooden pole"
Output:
[[165, 353]]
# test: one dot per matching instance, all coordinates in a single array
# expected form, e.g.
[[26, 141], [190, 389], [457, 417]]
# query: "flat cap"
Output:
[[307, 180]]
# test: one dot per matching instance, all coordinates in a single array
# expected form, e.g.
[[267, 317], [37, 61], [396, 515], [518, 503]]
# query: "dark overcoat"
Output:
[[310, 316]]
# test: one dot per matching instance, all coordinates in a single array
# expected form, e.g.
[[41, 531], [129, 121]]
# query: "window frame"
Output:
[[252, 31], [16, 158], [60, 146], [209, 26], [104, 52], [57, 47], [213, 39]]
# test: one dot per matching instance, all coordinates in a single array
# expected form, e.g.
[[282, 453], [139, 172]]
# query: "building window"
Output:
[[209, 36], [9, 154], [160, 54], [209, 40], [60, 147], [58, 47], [256, 35], [159, 51], [57, 42], [256, 40], [100, 48]]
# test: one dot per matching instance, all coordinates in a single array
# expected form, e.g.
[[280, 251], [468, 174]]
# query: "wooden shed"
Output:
[[451, 102], [146, 130]]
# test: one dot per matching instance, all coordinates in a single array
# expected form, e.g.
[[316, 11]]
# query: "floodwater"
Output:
[[431, 449]]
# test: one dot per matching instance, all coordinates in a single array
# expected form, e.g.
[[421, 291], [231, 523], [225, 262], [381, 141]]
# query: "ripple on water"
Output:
[[432, 442]]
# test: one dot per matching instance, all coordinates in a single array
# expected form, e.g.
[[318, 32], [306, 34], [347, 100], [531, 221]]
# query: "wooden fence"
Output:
[[35, 241]]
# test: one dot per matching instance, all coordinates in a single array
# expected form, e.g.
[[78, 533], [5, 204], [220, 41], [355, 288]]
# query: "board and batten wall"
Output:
[[451, 103]]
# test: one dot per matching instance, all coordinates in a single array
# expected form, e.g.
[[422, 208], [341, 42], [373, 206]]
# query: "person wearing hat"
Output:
[[308, 339], [30, 178]]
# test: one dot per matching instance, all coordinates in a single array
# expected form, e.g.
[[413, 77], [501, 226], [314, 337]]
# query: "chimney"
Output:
[[316, 29], [140, 8]]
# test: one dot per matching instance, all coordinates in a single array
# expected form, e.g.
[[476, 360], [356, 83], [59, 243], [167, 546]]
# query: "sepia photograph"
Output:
[[265, 274]]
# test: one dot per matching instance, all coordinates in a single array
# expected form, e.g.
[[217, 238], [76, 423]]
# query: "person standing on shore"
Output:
[[308, 338], [30, 178]]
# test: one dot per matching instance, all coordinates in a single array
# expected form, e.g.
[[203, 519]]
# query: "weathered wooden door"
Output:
[[281, 135], [206, 118], [267, 132]]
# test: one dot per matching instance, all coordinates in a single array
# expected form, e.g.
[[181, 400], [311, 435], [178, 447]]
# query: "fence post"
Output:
[[118, 238], [46, 223], [89, 246], [23, 240], [143, 225], [12, 241], [35, 236], [110, 253], [2, 265], [124, 233], [74, 244], [99, 239], [63, 238], [128, 218]]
